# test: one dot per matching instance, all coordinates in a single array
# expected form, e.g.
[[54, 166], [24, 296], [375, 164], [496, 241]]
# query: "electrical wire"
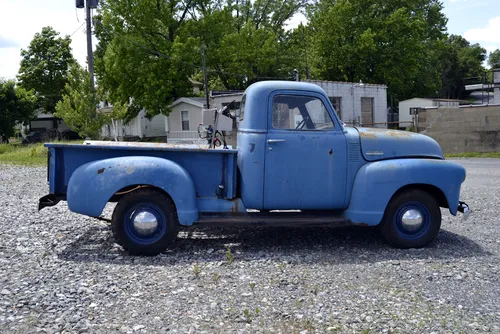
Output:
[[74, 32]]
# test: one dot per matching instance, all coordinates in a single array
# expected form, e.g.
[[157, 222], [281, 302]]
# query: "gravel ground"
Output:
[[62, 272]]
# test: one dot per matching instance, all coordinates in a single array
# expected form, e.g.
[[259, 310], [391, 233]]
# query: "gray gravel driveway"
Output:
[[62, 272]]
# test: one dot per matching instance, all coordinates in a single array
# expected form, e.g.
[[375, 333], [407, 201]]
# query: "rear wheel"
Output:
[[145, 222], [412, 219]]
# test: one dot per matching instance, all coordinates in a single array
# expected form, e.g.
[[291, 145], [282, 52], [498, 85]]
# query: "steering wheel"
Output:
[[302, 123]]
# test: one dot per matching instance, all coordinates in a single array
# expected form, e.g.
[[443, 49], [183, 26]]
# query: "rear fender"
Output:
[[93, 184], [377, 182]]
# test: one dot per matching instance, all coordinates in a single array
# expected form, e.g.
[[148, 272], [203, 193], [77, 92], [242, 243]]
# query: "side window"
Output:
[[293, 112], [185, 120]]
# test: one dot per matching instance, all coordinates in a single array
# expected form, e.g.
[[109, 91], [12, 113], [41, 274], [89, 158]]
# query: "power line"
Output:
[[74, 32]]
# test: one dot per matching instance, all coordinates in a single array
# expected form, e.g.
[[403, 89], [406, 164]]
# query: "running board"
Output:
[[272, 219]]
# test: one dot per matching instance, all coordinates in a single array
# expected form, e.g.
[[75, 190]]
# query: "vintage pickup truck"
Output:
[[296, 164]]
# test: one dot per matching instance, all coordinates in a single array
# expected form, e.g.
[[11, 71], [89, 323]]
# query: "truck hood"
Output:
[[381, 144]]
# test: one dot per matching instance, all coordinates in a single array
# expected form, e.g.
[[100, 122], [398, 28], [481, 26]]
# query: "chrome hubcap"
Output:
[[145, 223], [412, 220]]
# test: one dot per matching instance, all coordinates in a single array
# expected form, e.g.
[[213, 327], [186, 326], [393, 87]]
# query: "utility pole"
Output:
[[205, 82], [90, 55]]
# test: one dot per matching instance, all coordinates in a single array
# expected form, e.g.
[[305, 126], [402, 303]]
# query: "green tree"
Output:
[[460, 61], [246, 41], [79, 105], [494, 59], [17, 105], [148, 49], [380, 41], [44, 67], [140, 59]]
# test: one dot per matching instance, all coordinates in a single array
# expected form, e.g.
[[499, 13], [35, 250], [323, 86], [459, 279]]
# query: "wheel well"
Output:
[[128, 189], [430, 189]]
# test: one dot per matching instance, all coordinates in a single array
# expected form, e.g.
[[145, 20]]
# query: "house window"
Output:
[[185, 120], [336, 102]]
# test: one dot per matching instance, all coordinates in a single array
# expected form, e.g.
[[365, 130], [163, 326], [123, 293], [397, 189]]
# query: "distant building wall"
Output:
[[405, 118], [404, 109], [465, 129], [347, 98]]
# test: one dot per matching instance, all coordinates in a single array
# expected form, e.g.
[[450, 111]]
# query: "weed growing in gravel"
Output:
[[249, 316], [216, 278], [196, 270], [298, 304], [282, 267], [229, 256], [252, 286]]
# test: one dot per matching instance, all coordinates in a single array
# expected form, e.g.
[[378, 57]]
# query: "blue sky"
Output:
[[477, 20]]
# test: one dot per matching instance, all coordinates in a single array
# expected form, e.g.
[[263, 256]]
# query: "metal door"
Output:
[[305, 165], [367, 111]]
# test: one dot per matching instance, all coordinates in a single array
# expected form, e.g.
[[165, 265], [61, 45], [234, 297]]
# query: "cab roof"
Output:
[[257, 98]]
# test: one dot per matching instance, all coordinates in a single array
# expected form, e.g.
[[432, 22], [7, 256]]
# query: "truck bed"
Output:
[[207, 167]]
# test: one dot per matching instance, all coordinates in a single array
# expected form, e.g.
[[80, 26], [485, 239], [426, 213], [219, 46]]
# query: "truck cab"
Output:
[[296, 164]]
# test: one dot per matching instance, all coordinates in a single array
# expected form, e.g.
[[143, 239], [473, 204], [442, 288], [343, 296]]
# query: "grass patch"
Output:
[[26, 155], [495, 155]]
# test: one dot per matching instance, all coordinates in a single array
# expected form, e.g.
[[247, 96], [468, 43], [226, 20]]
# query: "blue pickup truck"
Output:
[[296, 164]]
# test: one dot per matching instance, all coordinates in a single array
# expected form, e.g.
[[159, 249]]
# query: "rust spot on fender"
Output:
[[100, 171], [398, 134], [130, 170], [368, 135]]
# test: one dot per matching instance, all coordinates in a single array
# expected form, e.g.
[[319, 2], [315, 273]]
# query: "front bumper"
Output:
[[464, 208]]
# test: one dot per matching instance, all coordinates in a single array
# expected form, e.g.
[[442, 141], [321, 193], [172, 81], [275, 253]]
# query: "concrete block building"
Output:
[[357, 103]]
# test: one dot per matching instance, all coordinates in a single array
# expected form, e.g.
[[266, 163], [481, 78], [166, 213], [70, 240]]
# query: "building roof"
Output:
[[319, 82], [432, 99], [195, 101], [216, 93]]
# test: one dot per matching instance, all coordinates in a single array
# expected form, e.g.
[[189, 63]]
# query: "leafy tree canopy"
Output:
[[148, 49], [494, 59], [79, 105], [380, 41], [44, 67], [17, 105], [460, 61]]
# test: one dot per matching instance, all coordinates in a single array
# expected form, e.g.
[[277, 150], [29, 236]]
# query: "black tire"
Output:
[[401, 235], [152, 205]]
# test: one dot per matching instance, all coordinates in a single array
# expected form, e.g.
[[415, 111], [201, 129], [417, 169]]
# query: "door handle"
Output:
[[271, 141]]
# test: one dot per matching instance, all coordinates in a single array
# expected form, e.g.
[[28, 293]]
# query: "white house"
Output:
[[406, 119], [357, 103]]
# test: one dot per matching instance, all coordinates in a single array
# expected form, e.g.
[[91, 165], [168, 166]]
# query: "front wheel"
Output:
[[145, 222], [412, 219]]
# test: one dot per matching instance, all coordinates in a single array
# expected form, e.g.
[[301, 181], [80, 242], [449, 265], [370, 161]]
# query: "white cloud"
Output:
[[20, 20], [488, 36]]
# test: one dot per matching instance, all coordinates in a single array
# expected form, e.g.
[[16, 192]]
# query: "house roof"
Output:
[[195, 101], [220, 93], [319, 82], [432, 99]]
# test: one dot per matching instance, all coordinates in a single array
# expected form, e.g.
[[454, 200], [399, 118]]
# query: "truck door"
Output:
[[305, 166]]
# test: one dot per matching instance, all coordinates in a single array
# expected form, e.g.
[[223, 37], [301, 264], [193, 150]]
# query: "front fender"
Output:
[[93, 184], [377, 182]]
